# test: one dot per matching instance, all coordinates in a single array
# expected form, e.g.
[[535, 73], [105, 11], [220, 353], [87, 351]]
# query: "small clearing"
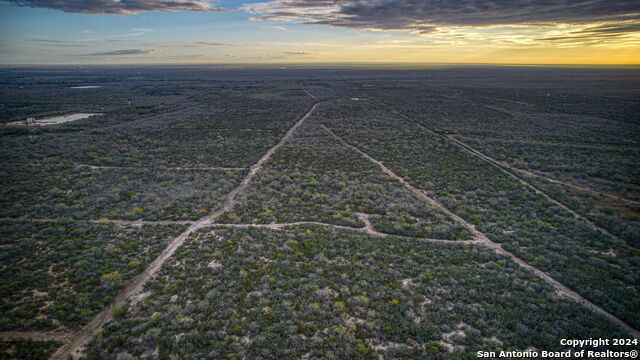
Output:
[[55, 120]]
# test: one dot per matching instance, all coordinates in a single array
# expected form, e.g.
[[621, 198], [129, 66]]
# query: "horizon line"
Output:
[[319, 65]]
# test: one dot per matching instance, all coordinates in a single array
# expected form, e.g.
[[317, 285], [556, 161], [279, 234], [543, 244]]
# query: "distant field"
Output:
[[287, 214]]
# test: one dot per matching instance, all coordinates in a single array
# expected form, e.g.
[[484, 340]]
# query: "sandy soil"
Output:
[[56, 119]]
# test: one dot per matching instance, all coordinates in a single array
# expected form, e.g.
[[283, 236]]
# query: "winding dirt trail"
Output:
[[136, 284], [497, 248], [73, 342], [367, 229], [76, 341]]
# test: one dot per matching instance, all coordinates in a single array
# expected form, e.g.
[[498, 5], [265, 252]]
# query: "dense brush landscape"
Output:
[[210, 213]]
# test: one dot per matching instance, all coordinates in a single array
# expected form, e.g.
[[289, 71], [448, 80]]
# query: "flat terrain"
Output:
[[53, 120], [317, 214]]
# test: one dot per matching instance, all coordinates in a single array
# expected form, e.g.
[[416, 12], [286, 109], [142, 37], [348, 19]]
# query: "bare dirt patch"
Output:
[[54, 120]]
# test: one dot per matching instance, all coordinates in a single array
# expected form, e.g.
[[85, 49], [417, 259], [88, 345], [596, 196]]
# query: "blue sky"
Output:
[[42, 35], [283, 31]]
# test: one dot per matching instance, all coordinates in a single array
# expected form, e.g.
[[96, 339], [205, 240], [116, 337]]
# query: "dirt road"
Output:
[[506, 169], [367, 229], [509, 170], [497, 248], [77, 340], [532, 174]]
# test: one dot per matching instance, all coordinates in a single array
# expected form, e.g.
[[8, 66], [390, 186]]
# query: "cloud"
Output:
[[188, 56], [275, 27], [120, 6], [124, 52], [60, 43], [595, 34], [208, 43], [610, 30], [295, 54], [426, 16], [192, 44], [48, 41], [135, 32]]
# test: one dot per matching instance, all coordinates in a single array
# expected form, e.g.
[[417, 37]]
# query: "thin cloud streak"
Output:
[[121, 6], [124, 52], [275, 27]]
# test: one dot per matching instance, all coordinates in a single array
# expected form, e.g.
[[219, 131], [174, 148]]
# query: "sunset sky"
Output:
[[319, 31]]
